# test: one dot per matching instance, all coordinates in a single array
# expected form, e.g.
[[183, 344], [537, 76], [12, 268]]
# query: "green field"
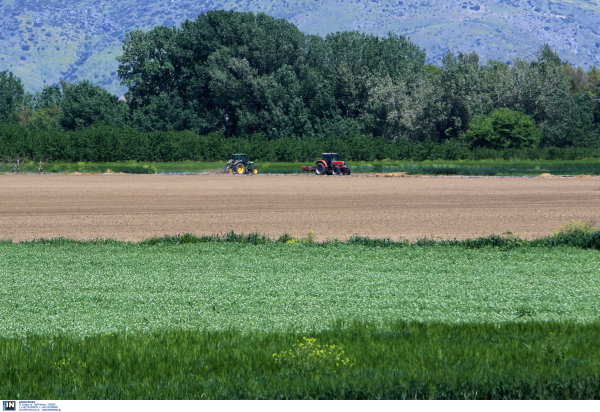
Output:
[[194, 317], [436, 167], [526, 360], [84, 289]]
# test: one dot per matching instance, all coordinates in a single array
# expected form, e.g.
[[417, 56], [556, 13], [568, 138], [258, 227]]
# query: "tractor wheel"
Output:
[[335, 170], [254, 170], [346, 171], [239, 168], [320, 169], [227, 169]]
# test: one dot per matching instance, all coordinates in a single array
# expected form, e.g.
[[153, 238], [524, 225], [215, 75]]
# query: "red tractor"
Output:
[[330, 164]]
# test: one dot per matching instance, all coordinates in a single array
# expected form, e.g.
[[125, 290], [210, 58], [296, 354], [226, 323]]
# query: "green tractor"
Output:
[[240, 165]]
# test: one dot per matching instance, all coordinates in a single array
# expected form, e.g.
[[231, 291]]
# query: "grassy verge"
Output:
[[528, 360], [438, 167], [484, 167]]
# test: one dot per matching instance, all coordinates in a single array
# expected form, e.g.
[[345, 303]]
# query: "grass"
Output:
[[247, 317], [437, 167], [400, 360], [484, 167]]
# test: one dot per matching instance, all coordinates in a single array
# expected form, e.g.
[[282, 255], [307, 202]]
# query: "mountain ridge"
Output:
[[44, 42]]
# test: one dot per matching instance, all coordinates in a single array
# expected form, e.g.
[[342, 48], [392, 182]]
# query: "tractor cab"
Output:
[[330, 157], [239, 158]]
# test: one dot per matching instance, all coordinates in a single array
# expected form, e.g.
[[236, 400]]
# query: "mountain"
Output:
[[44, 42]]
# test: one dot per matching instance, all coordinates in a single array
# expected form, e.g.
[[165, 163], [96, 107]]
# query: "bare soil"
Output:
[[136, 207]]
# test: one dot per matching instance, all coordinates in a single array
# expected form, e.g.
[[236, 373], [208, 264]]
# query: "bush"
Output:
[[503, 129]]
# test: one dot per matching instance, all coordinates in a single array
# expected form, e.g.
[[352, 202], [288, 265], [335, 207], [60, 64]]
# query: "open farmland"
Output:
[[136, 207], [225, 320], [249, 317], [85, 289]]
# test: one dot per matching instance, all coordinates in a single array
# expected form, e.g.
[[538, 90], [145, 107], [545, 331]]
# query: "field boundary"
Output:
[[584, 239]]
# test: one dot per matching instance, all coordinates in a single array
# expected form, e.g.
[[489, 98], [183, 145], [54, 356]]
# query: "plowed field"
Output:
[[135, 207]]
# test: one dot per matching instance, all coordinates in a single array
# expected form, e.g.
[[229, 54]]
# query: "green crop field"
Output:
[[84, 289], [528, 360], [236, 318]]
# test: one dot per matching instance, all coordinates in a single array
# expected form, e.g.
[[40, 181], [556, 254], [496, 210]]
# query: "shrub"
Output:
[[503, 129], [577, 227]]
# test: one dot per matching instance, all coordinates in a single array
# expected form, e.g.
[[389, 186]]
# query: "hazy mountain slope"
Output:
[[45, 41]]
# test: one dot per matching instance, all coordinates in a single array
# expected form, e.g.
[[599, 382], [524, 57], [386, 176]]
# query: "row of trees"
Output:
[[239, 74], [101, 143]]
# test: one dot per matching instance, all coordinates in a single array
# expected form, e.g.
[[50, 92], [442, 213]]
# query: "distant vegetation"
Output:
[[232, 81], [100, 143]]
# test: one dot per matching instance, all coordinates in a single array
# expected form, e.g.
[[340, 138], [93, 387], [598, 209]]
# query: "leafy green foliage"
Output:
[[262, 83], [11, 95], [49, 97], [241, 73], [230, 73], [570, 121], [45, 118], [101, 143], [85, 104], [400, 360], [458, 94], [253, 283], [503, 129]]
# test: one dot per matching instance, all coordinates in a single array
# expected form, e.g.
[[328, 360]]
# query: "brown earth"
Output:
[[135, 207]]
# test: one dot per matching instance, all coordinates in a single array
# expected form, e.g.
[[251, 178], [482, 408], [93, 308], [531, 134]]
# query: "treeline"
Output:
[[101, 143], [244, 75]]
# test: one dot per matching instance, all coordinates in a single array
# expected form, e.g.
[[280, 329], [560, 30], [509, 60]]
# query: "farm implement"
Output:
[[330, 164], [239, 164]]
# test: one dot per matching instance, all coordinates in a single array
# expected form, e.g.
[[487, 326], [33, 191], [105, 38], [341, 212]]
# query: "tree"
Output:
[[535, 85], [212, 66], [42, 109], [11, 95], [593, 76], [85, 104], [40, 118], [245, 73], [570, 122], [147, 66], [397, 109], [458, 95], [597, 106], [503, 129], [48, 97], [164, 112], [496, 85], [284, 113], [356, 63]]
